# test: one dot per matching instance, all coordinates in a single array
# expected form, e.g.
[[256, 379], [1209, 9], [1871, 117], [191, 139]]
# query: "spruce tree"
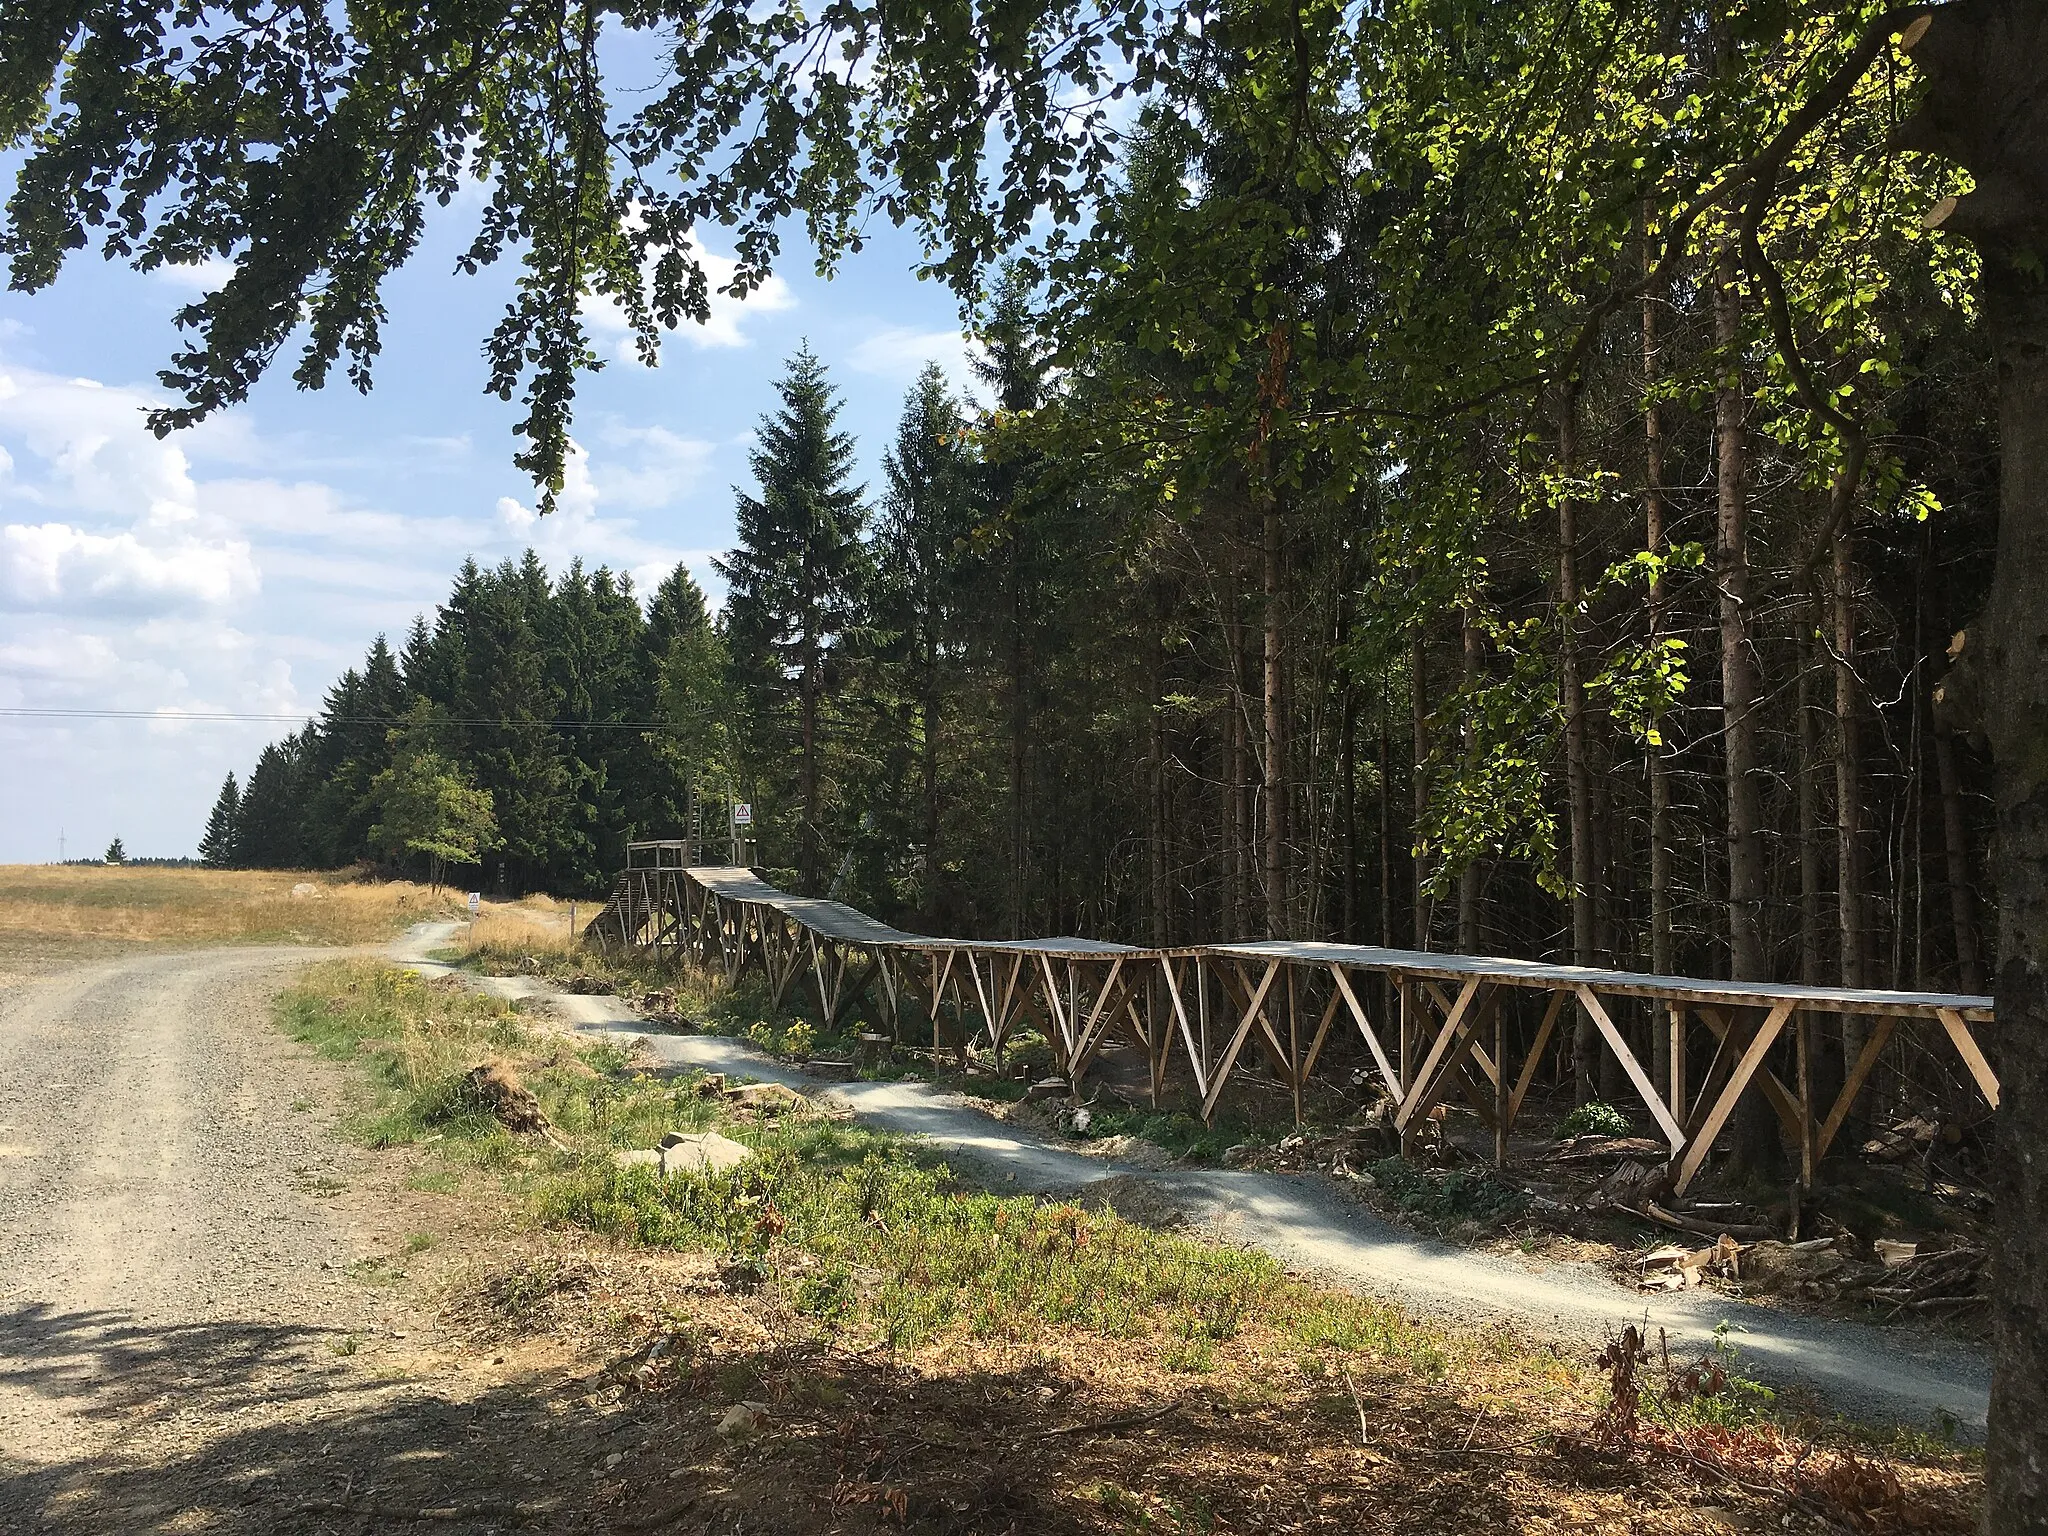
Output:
[[797, 576], [269, 826], [922, 555], [217, 843], [510, 746]]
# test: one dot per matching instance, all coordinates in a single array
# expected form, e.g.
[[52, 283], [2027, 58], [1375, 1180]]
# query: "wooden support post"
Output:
[[1802, 1036], [1252, 1014], [1752, 1058], [1388, 1074], [1500, 1087], [1645, 1089], [1677, 1026], [1973, 1058], [1197, 1054], [1783, 1101], [1441, 1060], [1535, 1057], [1852, 1084], [1294, 1069]]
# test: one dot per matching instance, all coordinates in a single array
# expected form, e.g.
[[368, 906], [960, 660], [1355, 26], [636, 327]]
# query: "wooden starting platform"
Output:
[[1433, 1024]]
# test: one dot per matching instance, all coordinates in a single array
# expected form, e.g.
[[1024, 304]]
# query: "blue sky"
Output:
[[242, 565]]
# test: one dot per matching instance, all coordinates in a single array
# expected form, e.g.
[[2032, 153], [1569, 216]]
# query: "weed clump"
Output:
[[1593, 1118], [1462, 1194]]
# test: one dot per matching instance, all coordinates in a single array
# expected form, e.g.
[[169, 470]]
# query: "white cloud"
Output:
[[100, 455], [668, 466], [897, 352], [57, 566], [722, 329], [59, 656], [198, 276]]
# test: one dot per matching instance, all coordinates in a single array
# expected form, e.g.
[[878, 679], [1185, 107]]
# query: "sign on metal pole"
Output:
[[742, 814], [476, 901]]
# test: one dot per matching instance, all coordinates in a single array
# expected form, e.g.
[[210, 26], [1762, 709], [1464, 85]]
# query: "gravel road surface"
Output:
[[203, 1324], [1901, 1373]]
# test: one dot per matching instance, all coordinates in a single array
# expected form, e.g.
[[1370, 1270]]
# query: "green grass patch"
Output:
[[856, 1232]]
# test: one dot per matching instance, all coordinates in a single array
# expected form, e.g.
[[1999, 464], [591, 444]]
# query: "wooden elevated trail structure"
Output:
[[1432, 1025]]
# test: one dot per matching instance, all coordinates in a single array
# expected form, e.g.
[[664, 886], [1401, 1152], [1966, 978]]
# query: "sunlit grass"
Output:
[[199, 906]]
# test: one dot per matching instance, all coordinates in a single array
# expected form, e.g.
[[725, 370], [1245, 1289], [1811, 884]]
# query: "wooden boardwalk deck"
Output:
[[1439, 1023]]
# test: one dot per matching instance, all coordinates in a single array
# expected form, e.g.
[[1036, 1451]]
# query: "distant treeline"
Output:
[[545, 694]]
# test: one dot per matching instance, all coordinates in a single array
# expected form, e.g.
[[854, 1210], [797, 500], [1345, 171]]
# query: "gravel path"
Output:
[[203, 1323], [1906, 1374]]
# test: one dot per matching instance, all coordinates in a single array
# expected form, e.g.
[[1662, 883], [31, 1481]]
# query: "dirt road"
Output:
[[202, 1320]]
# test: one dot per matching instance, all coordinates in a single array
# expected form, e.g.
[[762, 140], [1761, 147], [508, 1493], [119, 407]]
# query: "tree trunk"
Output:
[[1468, 877], [1275, 720], [1986, 105], [932, 862], [1661, 960], [1386, 824], [1811, 969], [1237, 777], [1578, 768], [1850, 877], [1162, 893], [1969, 968], [808, 846], [1754, 1126], [1418, 703], [1020, 712]]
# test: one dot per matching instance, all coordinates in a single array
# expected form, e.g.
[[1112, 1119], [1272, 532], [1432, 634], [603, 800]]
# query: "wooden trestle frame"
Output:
[[1445, 1027]]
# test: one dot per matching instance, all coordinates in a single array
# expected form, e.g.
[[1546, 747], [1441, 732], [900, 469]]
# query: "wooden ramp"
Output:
[[1433, 1025]]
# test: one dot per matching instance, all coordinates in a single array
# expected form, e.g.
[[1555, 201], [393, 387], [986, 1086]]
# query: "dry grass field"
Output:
[[50, 913]]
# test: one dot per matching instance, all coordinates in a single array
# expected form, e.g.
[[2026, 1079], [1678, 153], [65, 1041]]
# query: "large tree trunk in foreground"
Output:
[[1987, 107]]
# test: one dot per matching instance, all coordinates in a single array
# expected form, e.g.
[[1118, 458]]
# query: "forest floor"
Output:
[[259, 1283]]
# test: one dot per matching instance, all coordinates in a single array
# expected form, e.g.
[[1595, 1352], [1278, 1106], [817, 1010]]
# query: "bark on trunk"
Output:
[[1753, 1127], [1961, 897], [1162, 893], [1468, 877], [1810, 960], [1661, 960], [1419, 719], [809, 844], [932, 862], [1020, 713], [1850, 878], [1237, 785], [1986, 105], [1386, 827], [2016, 721], [1578, 770], [1275, 782]]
